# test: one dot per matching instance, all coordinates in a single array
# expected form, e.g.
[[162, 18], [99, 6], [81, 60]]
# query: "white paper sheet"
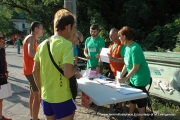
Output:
[[103, 55], [85, 73], [118, 74], [127, 91]]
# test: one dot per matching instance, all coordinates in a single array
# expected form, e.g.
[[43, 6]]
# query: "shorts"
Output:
[[59, 110], [140, 102], [32, 83]]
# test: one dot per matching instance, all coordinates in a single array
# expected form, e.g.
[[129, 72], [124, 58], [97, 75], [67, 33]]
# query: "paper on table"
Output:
[[102, 81], [85, 73], [113, 85], [127, 91], [103, 55], [118, 74]]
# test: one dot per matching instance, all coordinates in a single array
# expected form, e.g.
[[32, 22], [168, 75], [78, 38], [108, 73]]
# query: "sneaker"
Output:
[[4, 118]]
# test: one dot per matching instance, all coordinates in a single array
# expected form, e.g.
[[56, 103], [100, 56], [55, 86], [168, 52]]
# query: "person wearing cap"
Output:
[[93, 46]]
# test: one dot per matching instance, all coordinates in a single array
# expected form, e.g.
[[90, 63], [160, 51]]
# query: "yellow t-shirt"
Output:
[[54, 86]]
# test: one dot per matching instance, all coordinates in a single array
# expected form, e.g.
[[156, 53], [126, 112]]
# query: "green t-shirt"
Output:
[[94, 46], [54, 86], [18, 43], [134, 55]]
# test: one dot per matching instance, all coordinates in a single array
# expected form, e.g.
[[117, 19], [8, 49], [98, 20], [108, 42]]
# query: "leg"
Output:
[[141, 111], [120, 105], [70, 117], [50, 117], [34, 98], [1, 100], [131, 109], [35, 105], [31, 101]]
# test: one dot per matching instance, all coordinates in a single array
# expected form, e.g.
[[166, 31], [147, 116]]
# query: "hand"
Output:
[[123, 79], [97, 55], [110, 56], [98, 70], [78, 75], [88, 57], [6, 75]]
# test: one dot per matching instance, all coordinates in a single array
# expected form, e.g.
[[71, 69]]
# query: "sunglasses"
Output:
[[2, 38]]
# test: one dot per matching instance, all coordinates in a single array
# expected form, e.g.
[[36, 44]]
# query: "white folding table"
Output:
[[103, 95]]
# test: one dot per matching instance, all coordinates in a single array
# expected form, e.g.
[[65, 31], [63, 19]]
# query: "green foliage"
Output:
[[6, 26], [155, 23], [163, 37]]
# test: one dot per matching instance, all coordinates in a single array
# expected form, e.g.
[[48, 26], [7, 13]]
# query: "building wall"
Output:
[[21, 25]]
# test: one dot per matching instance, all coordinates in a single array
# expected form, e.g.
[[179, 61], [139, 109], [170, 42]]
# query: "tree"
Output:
[[6, 26]]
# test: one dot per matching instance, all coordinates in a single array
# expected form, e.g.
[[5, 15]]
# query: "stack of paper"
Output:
[[126, 91], [113, 85], [102, 81]]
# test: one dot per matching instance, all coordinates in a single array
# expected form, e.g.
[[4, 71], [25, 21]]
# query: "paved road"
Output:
[[16, 106]]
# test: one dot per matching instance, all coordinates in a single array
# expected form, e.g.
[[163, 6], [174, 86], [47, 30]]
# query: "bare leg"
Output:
[[70, 117], [31, 101], [141, 111], [50, 117], [120, 105], [36, 105], [1, 100], [131, 109]]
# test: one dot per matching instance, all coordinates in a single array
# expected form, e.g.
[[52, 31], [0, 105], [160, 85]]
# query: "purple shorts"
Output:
[[59, 110]]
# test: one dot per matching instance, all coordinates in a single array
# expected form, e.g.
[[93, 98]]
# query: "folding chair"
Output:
[[149, 102]]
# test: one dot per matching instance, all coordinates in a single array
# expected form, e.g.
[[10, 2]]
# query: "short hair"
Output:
[[127, 31], [59, 12], [80, 35], [34, 25], [94, 27], [63, 20], [113, 29]]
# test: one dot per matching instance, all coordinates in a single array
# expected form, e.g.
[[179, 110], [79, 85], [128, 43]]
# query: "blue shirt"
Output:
[[75, 50]]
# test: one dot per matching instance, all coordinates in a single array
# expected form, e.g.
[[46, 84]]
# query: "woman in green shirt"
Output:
[[136, 66]]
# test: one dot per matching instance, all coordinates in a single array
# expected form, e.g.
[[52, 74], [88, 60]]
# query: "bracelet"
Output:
[[112, 59]]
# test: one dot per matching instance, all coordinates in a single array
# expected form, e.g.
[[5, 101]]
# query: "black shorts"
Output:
[[32, 83], [140, 102]]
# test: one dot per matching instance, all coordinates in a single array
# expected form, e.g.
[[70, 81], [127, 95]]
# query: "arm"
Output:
[[76, 60], [86, 53], [30, 43], [118, 60], [131, 73], [69, 70], [6, 73], [36, 74]]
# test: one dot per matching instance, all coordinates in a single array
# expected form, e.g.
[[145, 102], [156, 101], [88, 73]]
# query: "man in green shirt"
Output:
[[93, 46]]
